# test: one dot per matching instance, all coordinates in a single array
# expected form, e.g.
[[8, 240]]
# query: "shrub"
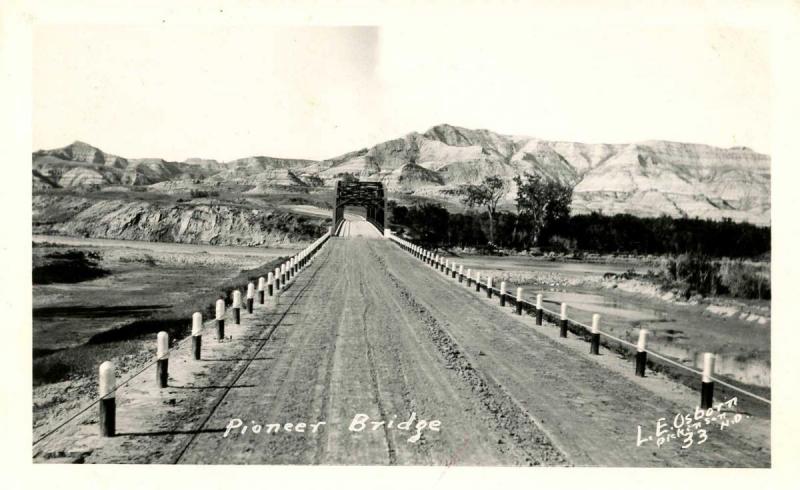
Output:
[[697, 274], [560, 244], [68, 267], [145, 259], [691, 274], [745, 281], [197, 193], [51, 370]]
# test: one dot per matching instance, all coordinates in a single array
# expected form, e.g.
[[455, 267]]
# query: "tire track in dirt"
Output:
[[296, 388], [354, 385], [428, 387], [508, 416], [376, 389], [303, 356], [324, 392]]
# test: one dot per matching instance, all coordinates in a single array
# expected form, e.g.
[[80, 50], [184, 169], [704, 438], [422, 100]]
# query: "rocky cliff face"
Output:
[[658, 177], [196, 222], [82, 165], [646, 178]]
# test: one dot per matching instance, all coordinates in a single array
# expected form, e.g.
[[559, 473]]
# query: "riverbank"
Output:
[[738, 331]]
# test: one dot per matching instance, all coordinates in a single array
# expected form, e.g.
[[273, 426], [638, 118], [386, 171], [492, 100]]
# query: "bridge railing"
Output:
[[376, 223], [591, 333], [270, 286]]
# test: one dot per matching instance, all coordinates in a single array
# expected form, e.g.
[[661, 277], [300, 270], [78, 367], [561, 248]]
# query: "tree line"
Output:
[[542, 222]]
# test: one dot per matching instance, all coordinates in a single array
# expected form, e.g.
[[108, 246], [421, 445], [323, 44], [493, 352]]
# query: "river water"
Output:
[[679, 330], [165, 246]]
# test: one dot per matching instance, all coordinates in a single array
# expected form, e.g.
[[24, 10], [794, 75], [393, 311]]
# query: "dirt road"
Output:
[[367, 331]]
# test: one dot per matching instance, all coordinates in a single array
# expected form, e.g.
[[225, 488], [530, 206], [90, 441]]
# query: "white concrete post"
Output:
[[162, 345], [641, 345], [108, 379], [707, 386], [237, 305], [262, 283], [563, 320], [641, 353], [162, 358], [197, 334], [251, 294], [108, 402], [489, 287], [595, 344], [519, 301], [270, 283], [539, 310], [502, 293], [197, 323], [708, 366], [220, 319]]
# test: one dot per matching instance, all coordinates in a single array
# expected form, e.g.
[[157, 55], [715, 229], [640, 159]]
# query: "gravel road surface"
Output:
[[365, 337]]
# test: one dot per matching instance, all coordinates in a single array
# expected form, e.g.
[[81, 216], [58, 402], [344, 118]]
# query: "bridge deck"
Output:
[[357, 226]]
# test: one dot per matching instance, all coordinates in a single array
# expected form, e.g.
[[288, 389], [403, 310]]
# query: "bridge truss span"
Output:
[[369, 195]]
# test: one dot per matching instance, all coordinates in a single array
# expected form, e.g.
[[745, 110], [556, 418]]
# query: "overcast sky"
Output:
[[226, 92]]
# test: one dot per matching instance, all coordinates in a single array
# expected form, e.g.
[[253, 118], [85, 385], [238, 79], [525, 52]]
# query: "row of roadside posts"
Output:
[[456, 271], [269, 286]]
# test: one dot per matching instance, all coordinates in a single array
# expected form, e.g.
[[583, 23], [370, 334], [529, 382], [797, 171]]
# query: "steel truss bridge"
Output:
[[369, 195]]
